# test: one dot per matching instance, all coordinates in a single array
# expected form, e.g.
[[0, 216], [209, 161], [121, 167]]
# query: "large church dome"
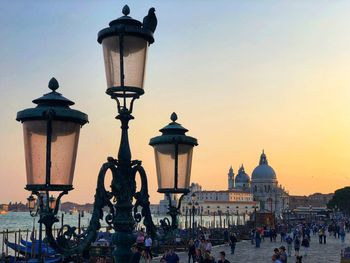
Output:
[[263, 172], [242, 177]]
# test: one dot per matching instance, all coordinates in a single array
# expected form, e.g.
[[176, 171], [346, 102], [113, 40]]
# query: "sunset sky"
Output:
[[241, 75]]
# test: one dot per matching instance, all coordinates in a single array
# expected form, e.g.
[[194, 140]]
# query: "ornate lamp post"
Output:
[[51, 130], [220, 219], [228, 216], [288, 218], [209, 221], [214, 220], [245, 214], [193, 204], [31, 203], [255, 207], [310, 213]]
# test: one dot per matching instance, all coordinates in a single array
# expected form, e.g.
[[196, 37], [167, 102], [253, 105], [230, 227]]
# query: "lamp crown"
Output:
[[53, 84], [126, 10]]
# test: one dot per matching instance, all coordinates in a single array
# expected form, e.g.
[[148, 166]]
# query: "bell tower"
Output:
[[231, 180]]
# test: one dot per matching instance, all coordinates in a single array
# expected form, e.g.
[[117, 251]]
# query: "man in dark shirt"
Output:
[[222, 258], [136, 254], [233, 241], [172, 257]]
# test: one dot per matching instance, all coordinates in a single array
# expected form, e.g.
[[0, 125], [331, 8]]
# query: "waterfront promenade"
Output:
[[247, 253]]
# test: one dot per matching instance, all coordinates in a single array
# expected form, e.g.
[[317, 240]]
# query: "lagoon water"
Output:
[[23, 221], [14, 221]]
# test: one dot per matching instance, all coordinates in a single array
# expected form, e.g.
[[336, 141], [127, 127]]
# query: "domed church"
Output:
[[263, 185]]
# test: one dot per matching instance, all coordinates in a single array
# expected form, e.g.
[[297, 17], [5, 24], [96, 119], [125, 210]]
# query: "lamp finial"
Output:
[[53, 84], [173, 117], [126, 10]]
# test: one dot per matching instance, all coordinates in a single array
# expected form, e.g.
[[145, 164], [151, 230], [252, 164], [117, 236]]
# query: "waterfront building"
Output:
[[244, 194], [225, 202], [314, 200], [266, 190], [263, 185]]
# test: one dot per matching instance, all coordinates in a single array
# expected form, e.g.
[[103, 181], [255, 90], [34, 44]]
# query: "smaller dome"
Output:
[[242, 177]]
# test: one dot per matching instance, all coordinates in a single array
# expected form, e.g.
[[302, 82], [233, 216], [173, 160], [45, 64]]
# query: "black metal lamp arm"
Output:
[[69, 243]]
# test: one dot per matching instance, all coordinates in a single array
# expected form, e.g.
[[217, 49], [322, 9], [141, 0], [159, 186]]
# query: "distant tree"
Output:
[[340, 200]]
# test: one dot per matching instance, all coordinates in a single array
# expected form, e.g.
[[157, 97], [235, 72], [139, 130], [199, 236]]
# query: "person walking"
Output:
[[148, 247], [202, 246], [145, 258], [233, 241], [283, 254], [208, 246], [191, 251], [257, 239], [198, 258], [140, 237], [223, 258], [289, 241], [208, 258], [275, 259], [342, 235], [321, 233], [136, 254], [172, 257], [296, 245], [252, 235], [305, 244]]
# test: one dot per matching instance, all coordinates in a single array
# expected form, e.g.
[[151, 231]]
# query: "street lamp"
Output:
[[245, 214], [51, 130], [310, 213], [52, 202], [219, 213], [237, 215], [192, 204], [255, 219], [288, 219], [31, 203], [228, 216], [173, 154], [215, 225]]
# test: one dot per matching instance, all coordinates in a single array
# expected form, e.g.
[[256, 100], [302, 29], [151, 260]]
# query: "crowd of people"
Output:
[[200, 250], [295, 241], [298, 238]]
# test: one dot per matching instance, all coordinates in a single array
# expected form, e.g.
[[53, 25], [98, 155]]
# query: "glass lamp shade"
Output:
[[52, 202], [193, 197], [173, 153], [125, 56], [172, 175], [31, 202], [64, 145]]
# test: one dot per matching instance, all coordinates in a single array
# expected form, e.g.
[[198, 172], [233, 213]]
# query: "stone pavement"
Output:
[[247, 253]]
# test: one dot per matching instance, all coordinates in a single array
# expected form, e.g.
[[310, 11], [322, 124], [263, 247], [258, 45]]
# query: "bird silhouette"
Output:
[[150, 21]]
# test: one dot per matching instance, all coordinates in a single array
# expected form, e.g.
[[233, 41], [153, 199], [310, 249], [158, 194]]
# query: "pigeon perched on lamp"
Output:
[[150, 21]]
